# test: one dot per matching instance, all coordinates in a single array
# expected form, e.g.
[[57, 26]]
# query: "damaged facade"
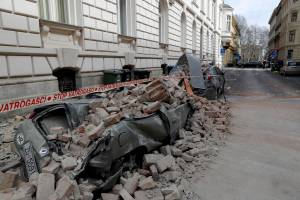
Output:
[[56, 44]]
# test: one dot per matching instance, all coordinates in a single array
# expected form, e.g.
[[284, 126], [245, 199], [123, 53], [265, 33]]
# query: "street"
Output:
[[261, 159]]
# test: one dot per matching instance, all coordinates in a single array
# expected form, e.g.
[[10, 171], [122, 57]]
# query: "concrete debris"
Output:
[[68, 163], [108, 196], [147, 183], [125, 195], [132, 183], [163, 170], [45, 186]]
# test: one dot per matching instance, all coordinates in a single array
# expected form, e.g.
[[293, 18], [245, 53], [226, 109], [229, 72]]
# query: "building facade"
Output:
[[45, 44], [284, 36], [230, 37]]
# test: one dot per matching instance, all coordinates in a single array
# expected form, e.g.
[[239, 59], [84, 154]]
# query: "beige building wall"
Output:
[[281, 24], [32, 48]]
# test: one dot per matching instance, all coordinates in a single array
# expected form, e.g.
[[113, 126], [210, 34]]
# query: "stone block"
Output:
[[8, 37], [97, 132], [45, 186], [13, 21], [113, 119], [132, 183], [51, 168], [7, 180], [150, 159], [64, 187], [154, 172], [108, 196], [69, 163], [125, 195], [165, 163], [147, 183]]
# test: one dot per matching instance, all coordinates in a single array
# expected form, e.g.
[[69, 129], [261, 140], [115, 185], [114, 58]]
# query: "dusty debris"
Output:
[[162, 171]]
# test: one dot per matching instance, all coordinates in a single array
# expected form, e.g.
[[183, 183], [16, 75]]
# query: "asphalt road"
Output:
[[261, 160]]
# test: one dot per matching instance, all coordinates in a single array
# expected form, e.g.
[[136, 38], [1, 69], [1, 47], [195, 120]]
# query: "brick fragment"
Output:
[[108, 196], [56, 130], [45, 186], [140, 195], [187, 157], [176, 152], [164, 163], [132, 183], [112, 109], [101, 113], [52, 167], [64, 138], [84, 141], [166, 150], [144, 172], [152, 107], [194, 152], [97, 132], [151, 159], [64, 187], [125, 195], [25, 192], [147, 183], [113, 119], [154, 172], [69, 163], [7, 179]]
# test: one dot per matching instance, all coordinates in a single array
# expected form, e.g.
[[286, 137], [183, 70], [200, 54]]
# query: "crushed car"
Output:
[[96, 138]]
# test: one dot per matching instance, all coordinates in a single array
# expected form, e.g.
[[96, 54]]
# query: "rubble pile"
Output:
[[164, 174]]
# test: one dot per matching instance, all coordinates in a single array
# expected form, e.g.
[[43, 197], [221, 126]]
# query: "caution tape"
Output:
[[18, 104]]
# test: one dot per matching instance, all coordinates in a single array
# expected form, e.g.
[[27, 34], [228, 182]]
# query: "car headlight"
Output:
[[43, 152]]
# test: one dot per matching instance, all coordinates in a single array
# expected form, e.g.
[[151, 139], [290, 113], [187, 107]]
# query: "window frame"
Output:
[[294, 16], [130, 20], [70, 11], [183, 30], [292, 35], [163, 22]]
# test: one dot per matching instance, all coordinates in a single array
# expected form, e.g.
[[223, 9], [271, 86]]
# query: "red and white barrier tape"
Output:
[[17, 104]]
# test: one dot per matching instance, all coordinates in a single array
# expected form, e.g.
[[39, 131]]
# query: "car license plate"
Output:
[[30, 163]]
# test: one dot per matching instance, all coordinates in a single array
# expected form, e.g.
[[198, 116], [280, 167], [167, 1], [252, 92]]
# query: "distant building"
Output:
[[230, 37], [66, 44], [284, 36]]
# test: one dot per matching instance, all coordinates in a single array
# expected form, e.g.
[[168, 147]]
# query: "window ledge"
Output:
[[163, 45], [60, 35], [126, 38]]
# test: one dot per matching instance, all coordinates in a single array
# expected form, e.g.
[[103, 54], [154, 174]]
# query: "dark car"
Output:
[[103, 161], [253, 64], [214, 81]]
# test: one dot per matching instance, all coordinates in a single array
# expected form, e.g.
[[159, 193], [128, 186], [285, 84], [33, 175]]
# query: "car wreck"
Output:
[[55, 129]]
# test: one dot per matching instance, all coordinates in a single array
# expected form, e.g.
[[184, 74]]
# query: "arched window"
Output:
[[127, 19], [194, 36], [201, 42], [183, 30], [207, 42], [163, 21]]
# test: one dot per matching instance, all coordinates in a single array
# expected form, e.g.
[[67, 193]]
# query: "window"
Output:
[[202, 5], [163, 21], [201, 42], [183, 30], [207, 41], [290, 54], [194, 35], [294, 16], [295, 1], [63, 11], [292, 36], [228, 23], [126, 17]]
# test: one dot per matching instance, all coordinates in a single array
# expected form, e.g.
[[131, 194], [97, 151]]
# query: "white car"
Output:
[[292, 68]]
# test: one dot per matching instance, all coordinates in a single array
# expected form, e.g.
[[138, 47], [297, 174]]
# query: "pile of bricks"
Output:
[[165, 172]]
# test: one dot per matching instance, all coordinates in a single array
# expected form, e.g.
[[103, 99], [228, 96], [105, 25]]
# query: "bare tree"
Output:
[[254, 40]]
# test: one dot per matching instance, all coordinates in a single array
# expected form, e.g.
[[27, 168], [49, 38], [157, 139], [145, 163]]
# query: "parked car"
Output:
[[291, 68], [214, 81], [253, 64], [121, 146]]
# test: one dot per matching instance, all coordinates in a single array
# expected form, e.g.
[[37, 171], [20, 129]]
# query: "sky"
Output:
[[257, 12]]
